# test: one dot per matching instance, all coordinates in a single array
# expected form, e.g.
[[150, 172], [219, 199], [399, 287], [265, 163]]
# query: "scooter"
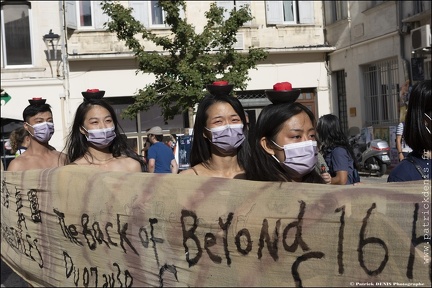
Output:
[[372, 157]]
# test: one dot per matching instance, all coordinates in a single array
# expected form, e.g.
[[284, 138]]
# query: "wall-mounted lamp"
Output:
[[51, 41]]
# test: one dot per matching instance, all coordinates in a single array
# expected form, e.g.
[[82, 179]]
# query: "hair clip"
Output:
[[37, 101], [282, 93], [93, 94], [220, 88]]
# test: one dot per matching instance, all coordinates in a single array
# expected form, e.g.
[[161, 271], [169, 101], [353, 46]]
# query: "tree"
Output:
[[189, 60]]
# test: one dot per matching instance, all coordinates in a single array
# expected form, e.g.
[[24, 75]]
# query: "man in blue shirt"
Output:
[[160, 156]]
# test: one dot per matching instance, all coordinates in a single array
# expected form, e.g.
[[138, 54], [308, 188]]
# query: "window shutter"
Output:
[[140, 11], [274, 13], [71, 15], [239, 4], [328, 12], [99, 17], [306, 11], [182, 14], [228, 5]]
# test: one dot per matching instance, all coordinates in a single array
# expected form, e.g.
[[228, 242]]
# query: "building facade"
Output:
[[311, 45], [87, 56], [379, 46]]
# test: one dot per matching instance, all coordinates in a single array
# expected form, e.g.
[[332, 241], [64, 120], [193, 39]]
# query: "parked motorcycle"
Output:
[[372, 157]]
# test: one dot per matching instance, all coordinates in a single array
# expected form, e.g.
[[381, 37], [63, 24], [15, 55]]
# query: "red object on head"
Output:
[[37, 98], [92, 90], [220, 83], [282, 86]]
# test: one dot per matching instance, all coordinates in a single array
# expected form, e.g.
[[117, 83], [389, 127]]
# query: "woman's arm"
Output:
[[341, 178]]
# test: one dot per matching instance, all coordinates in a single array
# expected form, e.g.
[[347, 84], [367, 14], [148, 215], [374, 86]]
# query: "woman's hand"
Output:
[[326, 177]]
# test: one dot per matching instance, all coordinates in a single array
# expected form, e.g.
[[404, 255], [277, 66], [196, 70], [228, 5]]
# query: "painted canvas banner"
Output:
[[79, 226]]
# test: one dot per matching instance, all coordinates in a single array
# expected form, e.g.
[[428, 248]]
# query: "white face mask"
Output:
[[300, 157]]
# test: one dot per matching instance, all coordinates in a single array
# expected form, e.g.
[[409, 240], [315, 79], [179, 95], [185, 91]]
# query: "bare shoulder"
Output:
[[17, 164], [189, 171], [62, 158], [129, 164]]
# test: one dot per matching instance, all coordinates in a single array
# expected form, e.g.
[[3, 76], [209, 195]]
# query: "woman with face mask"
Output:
[[95, 138], [284, 148], [219, 147]]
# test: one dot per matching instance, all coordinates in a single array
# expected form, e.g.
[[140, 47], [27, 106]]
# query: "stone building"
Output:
[[331, 50]]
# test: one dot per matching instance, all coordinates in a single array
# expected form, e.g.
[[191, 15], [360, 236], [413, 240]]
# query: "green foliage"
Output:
[[188, 61]]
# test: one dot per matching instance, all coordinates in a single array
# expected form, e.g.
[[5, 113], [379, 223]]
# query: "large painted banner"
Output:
[[79, 226]]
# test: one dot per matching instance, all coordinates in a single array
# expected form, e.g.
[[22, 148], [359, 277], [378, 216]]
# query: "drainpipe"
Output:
[[405, 63], [66, 91]]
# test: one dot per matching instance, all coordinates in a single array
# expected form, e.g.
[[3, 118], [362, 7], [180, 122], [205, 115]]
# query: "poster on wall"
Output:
[[184, 148]]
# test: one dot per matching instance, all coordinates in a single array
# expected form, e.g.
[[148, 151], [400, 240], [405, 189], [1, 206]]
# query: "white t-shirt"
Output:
[[399, 132]]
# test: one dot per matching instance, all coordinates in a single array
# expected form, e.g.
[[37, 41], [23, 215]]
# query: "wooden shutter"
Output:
[[274, 12], [99, 17], [306, 11], [140, 11], [71, 15], [239, 4], [228, 5]]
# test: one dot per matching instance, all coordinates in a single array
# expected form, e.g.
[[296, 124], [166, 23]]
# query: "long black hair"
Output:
[[331, 135], [270, 122], [77, 144], [415, 132], [201, 147]]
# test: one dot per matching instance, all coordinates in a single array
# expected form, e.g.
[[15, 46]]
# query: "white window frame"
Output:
[[97, 16], [150, 9], [142, 12], [230, 5], [3, 39], [275, 14]]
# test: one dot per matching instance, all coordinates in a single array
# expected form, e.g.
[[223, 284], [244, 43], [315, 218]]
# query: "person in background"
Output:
[[219, 147], [19, 140], [284, 147], [95, 137], [336, 151], [38, 122], [160, 157], [401, 146], [417, 133]]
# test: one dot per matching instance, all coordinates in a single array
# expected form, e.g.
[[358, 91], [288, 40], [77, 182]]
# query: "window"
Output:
[[335, 11], [381, 92], [157, 14], [233, 5], [16, 33], [421, 6], [342, 101], [85, 15], [289, 12]]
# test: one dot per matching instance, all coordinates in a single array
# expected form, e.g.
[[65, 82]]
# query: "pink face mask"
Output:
[[101, 138], [300, 157], [228, 137], [43, 131]]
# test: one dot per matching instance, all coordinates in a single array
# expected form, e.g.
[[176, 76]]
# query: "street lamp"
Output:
[[51, 41]]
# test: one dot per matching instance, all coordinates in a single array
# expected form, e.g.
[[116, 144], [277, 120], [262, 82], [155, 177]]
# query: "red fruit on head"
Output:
[[220, 83], [282, 86]]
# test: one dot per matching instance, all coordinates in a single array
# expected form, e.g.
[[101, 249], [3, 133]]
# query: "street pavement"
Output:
[[11, 279]]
